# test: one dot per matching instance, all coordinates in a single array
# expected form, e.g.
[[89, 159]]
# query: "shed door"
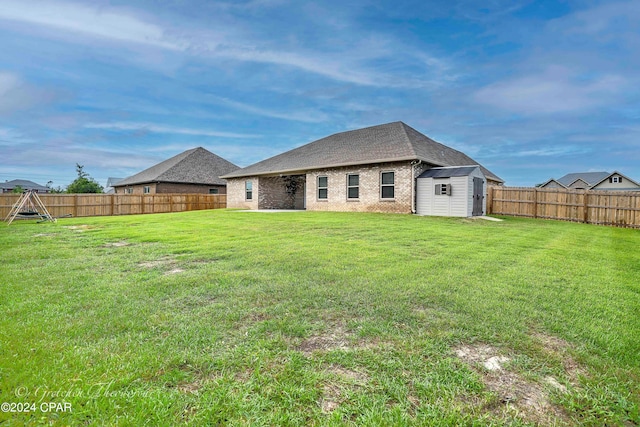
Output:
[[478, 196]]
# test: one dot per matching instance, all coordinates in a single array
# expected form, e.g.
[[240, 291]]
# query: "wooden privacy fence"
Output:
[[618, 208], [60, 205]]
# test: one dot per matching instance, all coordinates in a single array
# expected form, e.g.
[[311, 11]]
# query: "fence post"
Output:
[[489, 199], [75, 205], [535, 202], [586, 207]]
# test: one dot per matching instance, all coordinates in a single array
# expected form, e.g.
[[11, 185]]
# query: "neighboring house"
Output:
[[193, 171], [370, 170], [8, 186], [108, 189], [612, 181]]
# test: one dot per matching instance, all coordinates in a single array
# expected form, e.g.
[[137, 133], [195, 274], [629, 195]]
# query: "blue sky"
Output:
[[531, 89]]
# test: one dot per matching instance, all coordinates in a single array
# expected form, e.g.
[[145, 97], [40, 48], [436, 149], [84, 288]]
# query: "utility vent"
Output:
[[443, 189]]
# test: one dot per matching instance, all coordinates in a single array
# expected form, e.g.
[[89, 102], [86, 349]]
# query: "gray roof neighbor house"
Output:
[[389, 142], [8, 186], [195, 166], [594, 181]]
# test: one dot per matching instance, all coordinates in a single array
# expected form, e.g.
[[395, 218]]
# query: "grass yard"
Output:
[[234, 318]]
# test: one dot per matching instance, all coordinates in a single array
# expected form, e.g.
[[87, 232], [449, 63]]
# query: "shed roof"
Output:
[[448, 172], [376, 144], [195, 166]]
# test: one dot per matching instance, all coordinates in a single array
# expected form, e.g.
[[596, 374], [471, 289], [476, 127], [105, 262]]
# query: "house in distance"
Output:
[[24, 184], [374, 169], [193, 171], [611, 181]]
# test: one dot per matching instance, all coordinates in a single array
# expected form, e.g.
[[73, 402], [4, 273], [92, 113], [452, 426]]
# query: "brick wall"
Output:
[[236, 193], [165, 188], [369, 191], [270, 192]]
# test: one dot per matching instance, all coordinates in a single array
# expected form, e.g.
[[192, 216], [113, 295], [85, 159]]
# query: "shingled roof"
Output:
[[390, 142], [195, 166], [590, 178], [24, 184]]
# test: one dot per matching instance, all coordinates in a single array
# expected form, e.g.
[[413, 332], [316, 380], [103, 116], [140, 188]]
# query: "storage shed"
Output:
[[451, 191]]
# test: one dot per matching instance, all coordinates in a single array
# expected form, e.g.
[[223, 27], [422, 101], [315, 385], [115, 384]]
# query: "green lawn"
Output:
[[235, 318]]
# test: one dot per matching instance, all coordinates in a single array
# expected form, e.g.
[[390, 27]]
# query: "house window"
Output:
[[128, 190], [213, 191], [353, 186], [616, 179], [387, 185], [443, 189], [248, 190], [146, 189], [323, 187]]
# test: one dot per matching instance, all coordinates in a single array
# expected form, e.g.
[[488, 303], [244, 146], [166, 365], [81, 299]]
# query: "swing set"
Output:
[[29, 206]]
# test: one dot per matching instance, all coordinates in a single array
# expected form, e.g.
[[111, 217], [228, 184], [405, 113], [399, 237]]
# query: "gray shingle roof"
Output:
[[376, 144], [591, 178], [447, 172], [195, 166], [24, 184]]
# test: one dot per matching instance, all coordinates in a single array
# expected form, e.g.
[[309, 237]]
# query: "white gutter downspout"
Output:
[[413, 183]]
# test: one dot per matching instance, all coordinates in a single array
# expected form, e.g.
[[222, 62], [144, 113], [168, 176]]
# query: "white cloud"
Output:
[[555, 90], [154, 128], [78, 18], [306, 116]]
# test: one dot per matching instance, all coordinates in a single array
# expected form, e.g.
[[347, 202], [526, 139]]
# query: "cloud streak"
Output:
[[155, 128]]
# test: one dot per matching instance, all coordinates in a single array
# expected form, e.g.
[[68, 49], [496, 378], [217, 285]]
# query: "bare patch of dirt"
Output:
[[116, 244], [516, 395], [357, 377], [174, 271], [161, 262], [332, 391], [331, 398], [335, 339], [78, 228], [560, 348]]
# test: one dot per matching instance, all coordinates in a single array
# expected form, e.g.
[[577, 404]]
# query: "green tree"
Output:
[[18, 189], [84, 183]]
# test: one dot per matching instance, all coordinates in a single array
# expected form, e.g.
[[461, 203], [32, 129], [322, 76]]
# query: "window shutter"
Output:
[[620, 179], [610, 179]]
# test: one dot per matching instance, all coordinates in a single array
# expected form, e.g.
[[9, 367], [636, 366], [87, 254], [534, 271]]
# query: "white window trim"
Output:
[[388, 185], [247, 190], [353, 186], [318, 188]]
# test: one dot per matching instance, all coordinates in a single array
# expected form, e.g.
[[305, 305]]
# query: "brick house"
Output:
[[24, 184], [193, 171], [369, 170]]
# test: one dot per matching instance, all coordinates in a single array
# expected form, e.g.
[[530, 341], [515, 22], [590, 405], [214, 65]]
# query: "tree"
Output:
[[18, 189], [84, 183]]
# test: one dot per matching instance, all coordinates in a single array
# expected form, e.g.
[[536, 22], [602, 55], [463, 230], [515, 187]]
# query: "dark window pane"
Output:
[[387, 192], [322, 193], [322, 181], [213, 191], [387, 178], [249, 195], [354, 180], [353, 193]]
